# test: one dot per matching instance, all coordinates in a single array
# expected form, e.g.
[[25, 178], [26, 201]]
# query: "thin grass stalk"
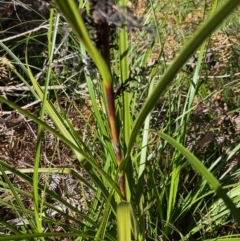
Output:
[[46, 235], [124, 75], [51, 43], [141, 171]]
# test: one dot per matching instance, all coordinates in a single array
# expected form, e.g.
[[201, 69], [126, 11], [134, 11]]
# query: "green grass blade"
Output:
[[42, 235]]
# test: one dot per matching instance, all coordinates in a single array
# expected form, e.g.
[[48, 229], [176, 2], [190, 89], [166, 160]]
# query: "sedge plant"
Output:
[[123, 168]]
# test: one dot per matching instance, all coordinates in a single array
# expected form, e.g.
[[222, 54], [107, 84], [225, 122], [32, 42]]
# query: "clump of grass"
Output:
[[136, 171]]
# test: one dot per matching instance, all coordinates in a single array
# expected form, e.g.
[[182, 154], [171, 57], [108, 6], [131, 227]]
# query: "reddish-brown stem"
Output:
[[103, 38]]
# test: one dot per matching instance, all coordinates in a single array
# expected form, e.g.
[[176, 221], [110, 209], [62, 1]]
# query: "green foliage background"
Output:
[[166, 198]]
